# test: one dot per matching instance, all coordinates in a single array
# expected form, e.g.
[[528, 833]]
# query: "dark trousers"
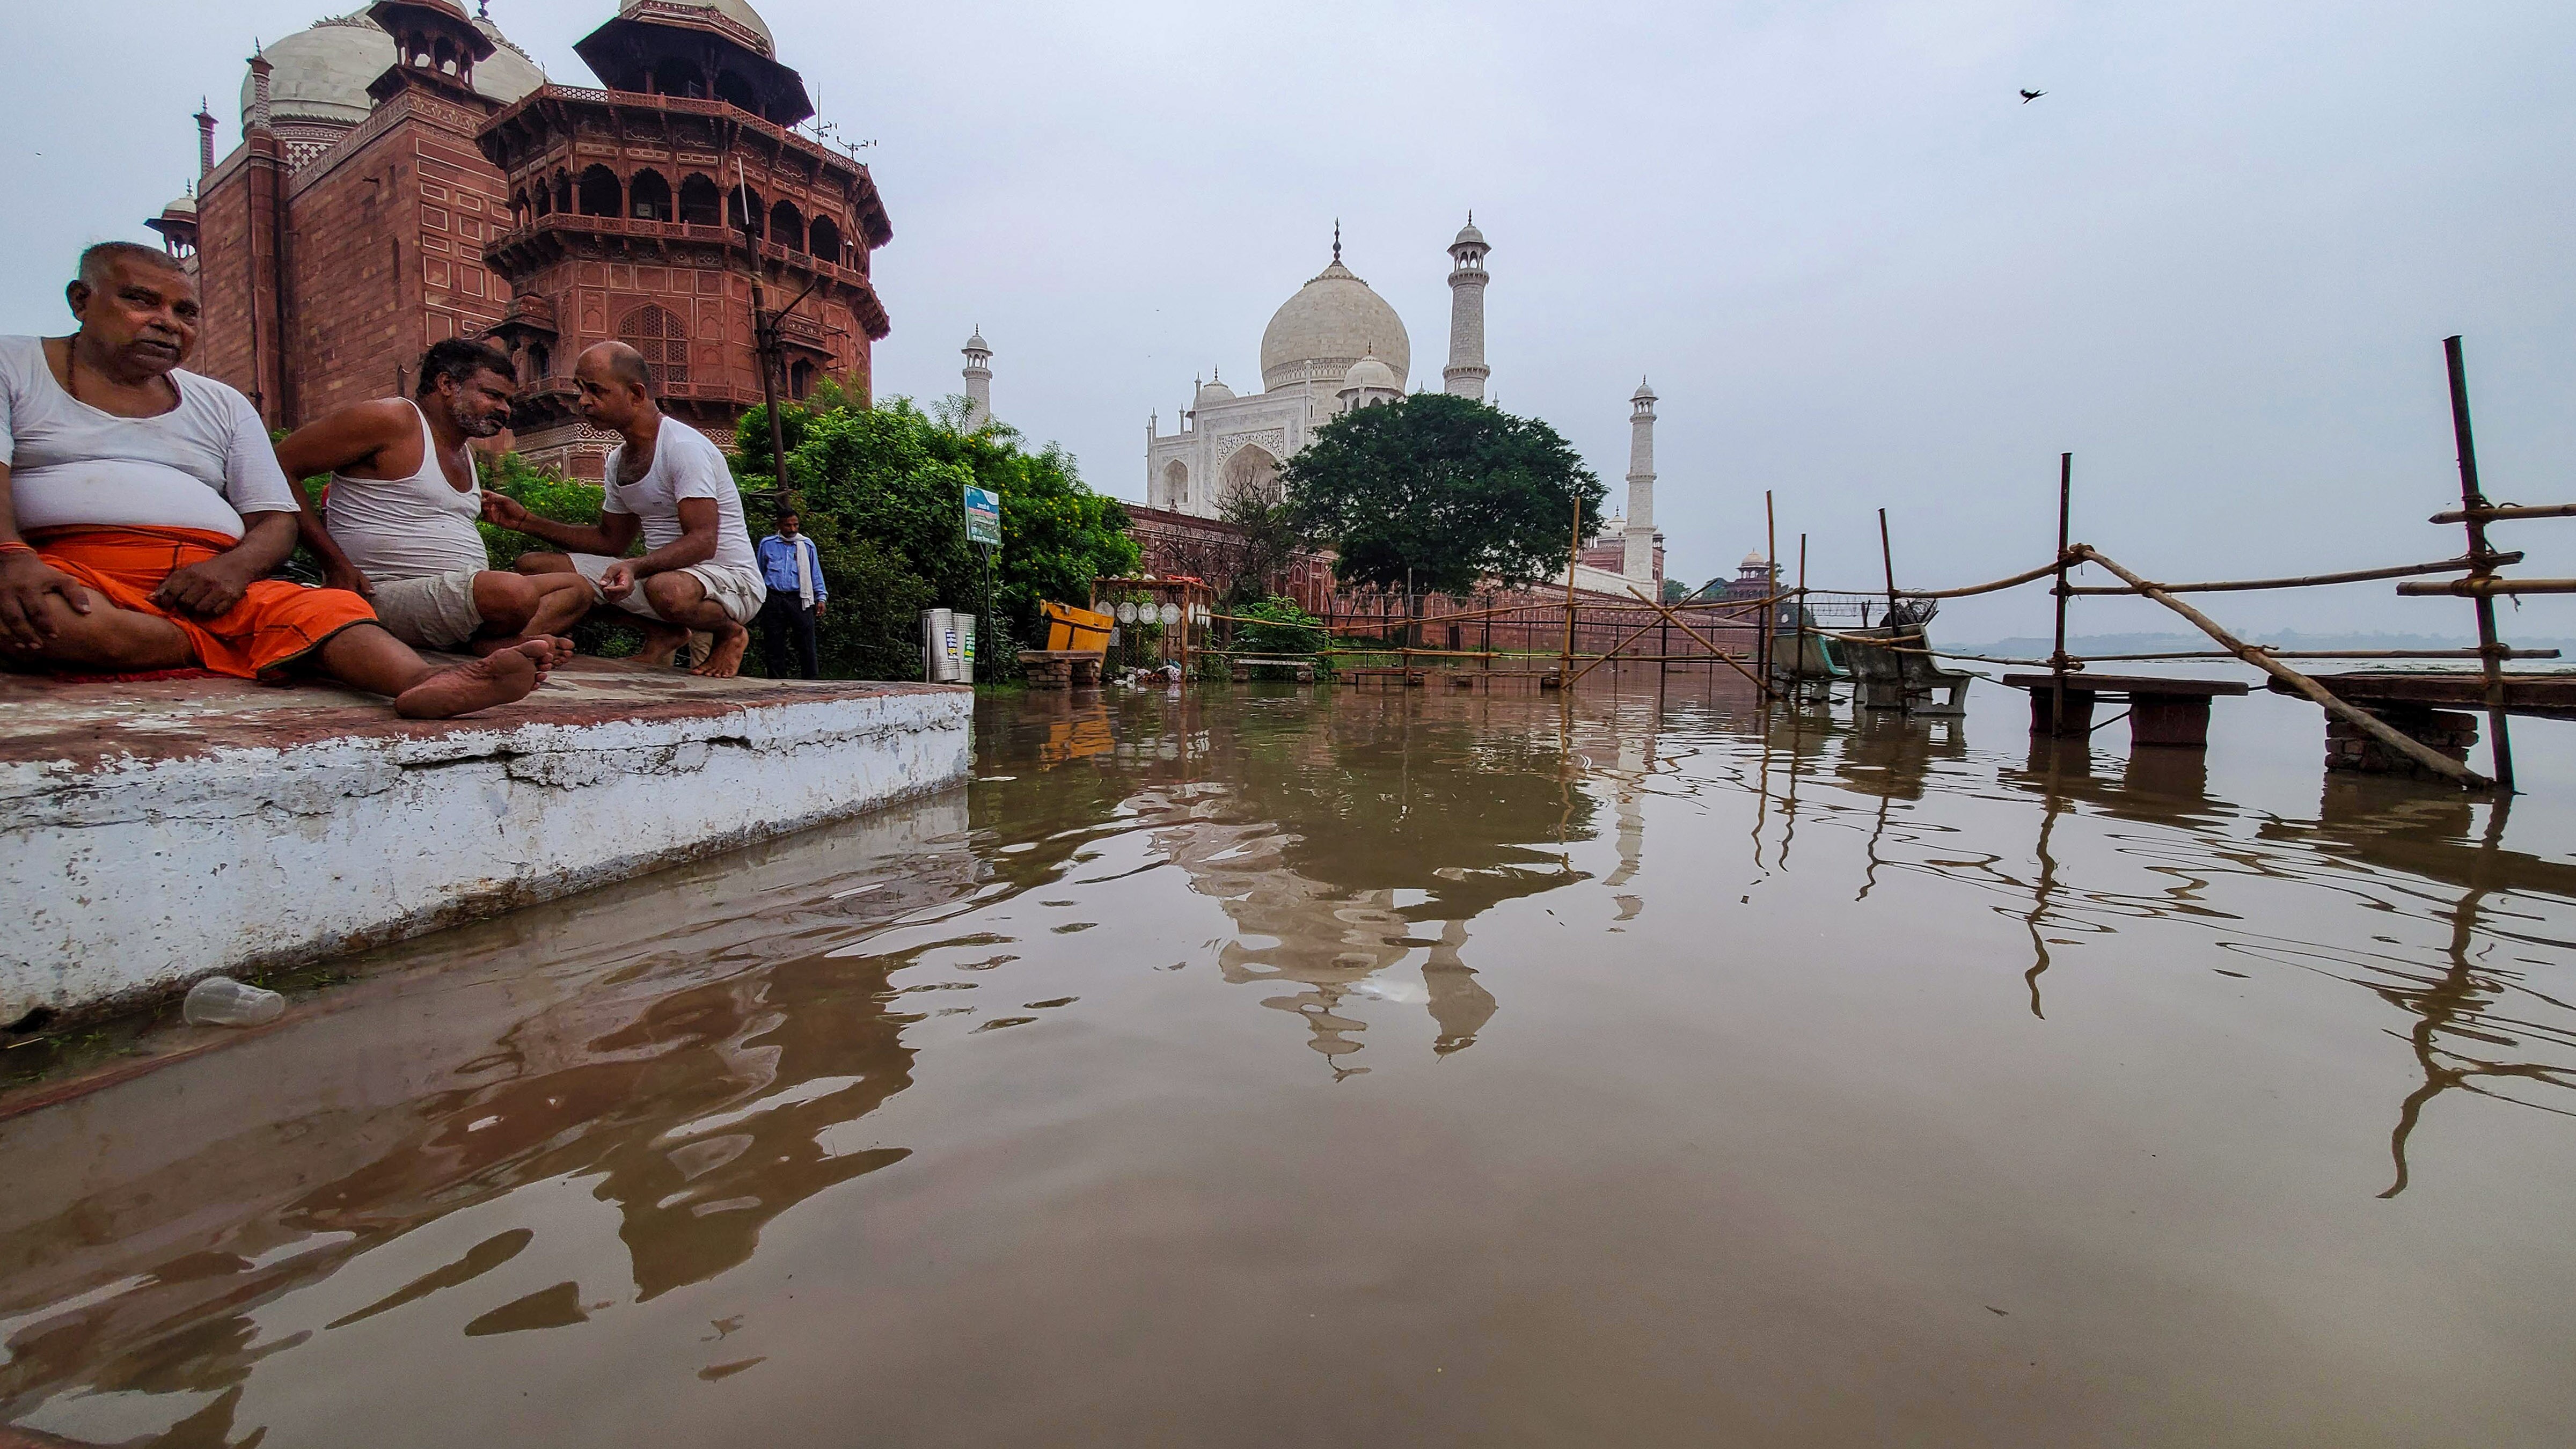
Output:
[[786, 614]]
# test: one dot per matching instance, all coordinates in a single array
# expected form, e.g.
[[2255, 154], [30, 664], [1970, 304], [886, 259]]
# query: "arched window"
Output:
[[827, 239], [540, 364], [1176, 485], [563, 190], [800, 379], [600, 194], [742, 209], [1250, 473], [663, 339], [545, 198], [518, 208], [700, 203], [678, 80], [788, 225], [648, 197]]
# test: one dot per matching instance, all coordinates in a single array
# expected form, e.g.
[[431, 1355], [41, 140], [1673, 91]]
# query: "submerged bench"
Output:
[[1061, 668], [2172, 712], [1303, 666]]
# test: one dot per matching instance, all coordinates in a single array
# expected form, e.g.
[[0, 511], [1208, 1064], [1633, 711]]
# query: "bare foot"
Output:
[[726, 662], [556, 649], [506, 676]]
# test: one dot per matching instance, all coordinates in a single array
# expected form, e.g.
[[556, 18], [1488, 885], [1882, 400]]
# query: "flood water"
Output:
[[1383, 1066]]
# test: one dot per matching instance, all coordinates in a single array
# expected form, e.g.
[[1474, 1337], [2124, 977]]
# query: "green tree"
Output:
[[882, 492], [1442, 494]]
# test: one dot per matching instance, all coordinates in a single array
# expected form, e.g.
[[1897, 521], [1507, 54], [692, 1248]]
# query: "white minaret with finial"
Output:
[[979, 380], [1466, 373], [1639, 562]]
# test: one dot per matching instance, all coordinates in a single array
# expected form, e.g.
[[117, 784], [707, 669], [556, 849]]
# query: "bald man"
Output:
[[142, 512], [669, 483]]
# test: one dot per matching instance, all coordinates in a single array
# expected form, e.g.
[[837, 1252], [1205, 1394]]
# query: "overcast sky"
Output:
[[2216, 260]]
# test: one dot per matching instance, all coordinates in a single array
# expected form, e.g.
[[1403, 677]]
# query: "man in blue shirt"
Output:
[[794, 569]]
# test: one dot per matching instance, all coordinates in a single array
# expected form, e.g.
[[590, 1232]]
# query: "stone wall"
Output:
[[154, 833]]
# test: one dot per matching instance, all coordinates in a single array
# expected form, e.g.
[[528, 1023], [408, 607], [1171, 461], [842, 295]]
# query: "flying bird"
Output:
[[2029, 96]]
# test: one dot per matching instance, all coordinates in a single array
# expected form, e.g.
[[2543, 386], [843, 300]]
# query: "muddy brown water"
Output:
[[1377, 1066]]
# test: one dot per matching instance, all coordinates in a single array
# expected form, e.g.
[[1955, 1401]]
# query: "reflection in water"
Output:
[[570, 1126]]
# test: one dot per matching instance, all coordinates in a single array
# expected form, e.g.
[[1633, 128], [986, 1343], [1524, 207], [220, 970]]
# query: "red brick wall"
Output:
[[237, 340], [387, 251]]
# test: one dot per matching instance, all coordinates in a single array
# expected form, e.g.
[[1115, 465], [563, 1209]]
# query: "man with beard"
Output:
[[398, 524], [152, 511], [668, 483]]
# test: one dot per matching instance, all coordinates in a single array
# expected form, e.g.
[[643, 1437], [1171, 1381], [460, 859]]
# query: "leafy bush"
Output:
[[882, 492], [1276, 625]]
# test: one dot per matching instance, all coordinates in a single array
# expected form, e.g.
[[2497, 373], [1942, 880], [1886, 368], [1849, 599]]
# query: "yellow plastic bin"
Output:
[[1069, 627]]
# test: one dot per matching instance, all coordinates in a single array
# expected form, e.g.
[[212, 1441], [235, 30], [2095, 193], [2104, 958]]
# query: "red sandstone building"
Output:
[[408, 175]]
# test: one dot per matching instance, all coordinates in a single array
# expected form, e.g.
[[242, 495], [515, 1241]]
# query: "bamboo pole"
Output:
[[1887, 556], [2363, 720], [1573, 561], [2502, 512], [1802, 608], [2483, 588], [1770, 577], [2352, 576], [2057, 660], [1703, 642], [2482, 580], [1615, 648]]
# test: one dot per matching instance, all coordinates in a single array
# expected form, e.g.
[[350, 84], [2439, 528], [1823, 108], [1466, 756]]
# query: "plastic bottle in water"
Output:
[[222, 1001]]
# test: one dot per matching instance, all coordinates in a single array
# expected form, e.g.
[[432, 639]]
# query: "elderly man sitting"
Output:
[[141, 510]]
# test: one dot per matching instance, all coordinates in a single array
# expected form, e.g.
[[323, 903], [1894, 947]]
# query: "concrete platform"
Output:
[[154, 833]]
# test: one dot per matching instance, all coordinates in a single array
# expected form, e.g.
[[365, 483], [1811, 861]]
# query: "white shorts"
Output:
[[738, 591], [435, 611]]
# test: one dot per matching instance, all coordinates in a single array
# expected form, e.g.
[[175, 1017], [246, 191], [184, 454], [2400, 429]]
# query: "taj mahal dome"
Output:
[[1333, 347]]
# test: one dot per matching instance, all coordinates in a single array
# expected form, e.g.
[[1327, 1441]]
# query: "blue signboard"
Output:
[[983, 515]]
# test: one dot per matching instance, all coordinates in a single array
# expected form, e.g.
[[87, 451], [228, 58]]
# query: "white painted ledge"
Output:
[[154, 833]]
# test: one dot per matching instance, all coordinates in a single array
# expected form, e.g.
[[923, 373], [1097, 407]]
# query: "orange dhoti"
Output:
[[274, 625]]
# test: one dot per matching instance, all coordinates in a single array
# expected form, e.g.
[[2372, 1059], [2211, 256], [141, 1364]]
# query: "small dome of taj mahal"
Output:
[[1370, 373]]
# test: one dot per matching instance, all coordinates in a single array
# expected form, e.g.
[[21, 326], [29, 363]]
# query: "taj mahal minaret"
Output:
[[1466, 373], [979, 380], [1639, 562]]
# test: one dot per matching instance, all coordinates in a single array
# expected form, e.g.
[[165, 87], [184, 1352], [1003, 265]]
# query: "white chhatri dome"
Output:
[[1370, 373], [322, 73], [1332, 322], [1213, 390], [737, 11]]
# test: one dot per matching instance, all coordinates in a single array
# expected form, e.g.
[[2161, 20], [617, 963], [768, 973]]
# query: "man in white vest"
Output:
[[793, 569], [668, 484], [398, 529]]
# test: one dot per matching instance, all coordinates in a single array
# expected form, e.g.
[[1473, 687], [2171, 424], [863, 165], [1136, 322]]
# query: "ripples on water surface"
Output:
[[1397, 1067]]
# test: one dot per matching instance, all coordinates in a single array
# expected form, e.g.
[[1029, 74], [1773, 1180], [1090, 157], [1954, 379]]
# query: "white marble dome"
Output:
[[1332, 322], [1212, 391], [508, 74], [737, 11], [322, 73]]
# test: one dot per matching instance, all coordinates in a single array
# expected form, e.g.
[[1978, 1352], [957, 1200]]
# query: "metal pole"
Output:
[[2057, 657], [2482, 565], [764, 333]]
